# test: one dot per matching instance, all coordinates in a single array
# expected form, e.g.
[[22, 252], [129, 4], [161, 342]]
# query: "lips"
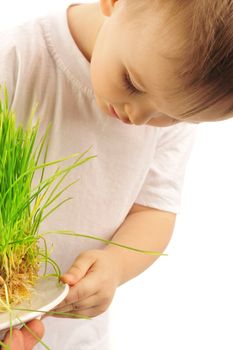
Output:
[[113, 112], [115, 115]]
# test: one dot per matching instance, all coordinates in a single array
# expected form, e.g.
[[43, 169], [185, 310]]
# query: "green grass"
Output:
[[22, 206]]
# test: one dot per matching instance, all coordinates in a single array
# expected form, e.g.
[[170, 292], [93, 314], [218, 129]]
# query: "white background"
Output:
[[184, 301]]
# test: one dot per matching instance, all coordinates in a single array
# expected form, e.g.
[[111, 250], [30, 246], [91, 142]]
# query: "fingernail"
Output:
[[67, 277]]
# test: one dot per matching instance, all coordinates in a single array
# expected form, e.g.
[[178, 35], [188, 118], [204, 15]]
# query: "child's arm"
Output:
[[144, 228], [96, 274]]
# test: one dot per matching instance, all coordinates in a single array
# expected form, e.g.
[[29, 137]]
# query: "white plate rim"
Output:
[[35, 314]]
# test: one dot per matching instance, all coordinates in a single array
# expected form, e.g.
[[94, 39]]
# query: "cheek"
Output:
[[105, 81], [98, 66], [96, 71], [105, 75], [101, 78]]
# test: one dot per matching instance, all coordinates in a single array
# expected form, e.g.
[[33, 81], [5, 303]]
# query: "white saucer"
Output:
[[47, 294]]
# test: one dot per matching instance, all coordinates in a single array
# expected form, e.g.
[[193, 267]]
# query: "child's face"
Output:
[[124, 48]]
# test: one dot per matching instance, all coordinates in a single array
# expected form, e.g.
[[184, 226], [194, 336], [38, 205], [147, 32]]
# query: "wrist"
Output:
[[117, 262]]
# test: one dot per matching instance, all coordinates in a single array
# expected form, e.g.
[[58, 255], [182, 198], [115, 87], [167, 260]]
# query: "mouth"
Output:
[[115, 115], [113, 112]]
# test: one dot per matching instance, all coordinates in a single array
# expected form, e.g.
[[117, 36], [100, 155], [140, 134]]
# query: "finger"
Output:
[[30, 341], [16, 343], [69, 312], [87, 312], [85, 304], [92, 306], [87, 287], [79, 269], [97, 303], [91, 311]]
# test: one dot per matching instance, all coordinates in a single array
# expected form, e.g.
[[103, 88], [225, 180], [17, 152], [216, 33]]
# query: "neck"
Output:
[[84, 22]]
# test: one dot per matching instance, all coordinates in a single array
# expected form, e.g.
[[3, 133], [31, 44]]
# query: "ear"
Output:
[[107, 6]]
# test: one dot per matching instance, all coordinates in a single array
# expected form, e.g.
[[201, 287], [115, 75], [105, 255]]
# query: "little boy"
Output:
[[132, 79]]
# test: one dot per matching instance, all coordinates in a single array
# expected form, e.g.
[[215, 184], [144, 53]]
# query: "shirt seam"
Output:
[[59, 61]]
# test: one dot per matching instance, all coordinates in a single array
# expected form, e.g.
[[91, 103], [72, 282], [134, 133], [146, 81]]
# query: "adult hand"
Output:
[[93, 279], [22, 339]]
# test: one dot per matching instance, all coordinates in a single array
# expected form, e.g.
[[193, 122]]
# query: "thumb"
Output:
[[30, 341], [79, 269]]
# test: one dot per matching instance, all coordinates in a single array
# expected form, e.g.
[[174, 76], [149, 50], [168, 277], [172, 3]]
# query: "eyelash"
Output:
[[129, 86]]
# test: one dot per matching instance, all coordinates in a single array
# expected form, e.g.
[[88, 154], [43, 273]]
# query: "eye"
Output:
[[128, 85]]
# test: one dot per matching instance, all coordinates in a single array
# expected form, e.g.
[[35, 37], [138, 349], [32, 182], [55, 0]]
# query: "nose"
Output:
[[139, 114]]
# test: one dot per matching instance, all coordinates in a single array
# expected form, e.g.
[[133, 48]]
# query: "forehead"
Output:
[[151, 36]]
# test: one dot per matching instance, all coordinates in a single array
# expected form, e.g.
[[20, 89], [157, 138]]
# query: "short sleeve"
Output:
[[163, 184]]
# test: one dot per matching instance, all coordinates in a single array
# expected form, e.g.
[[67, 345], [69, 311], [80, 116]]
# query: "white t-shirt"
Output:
[[40, 63]]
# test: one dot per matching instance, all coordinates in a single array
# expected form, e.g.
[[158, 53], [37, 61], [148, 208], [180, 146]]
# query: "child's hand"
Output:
[[93, 279]]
